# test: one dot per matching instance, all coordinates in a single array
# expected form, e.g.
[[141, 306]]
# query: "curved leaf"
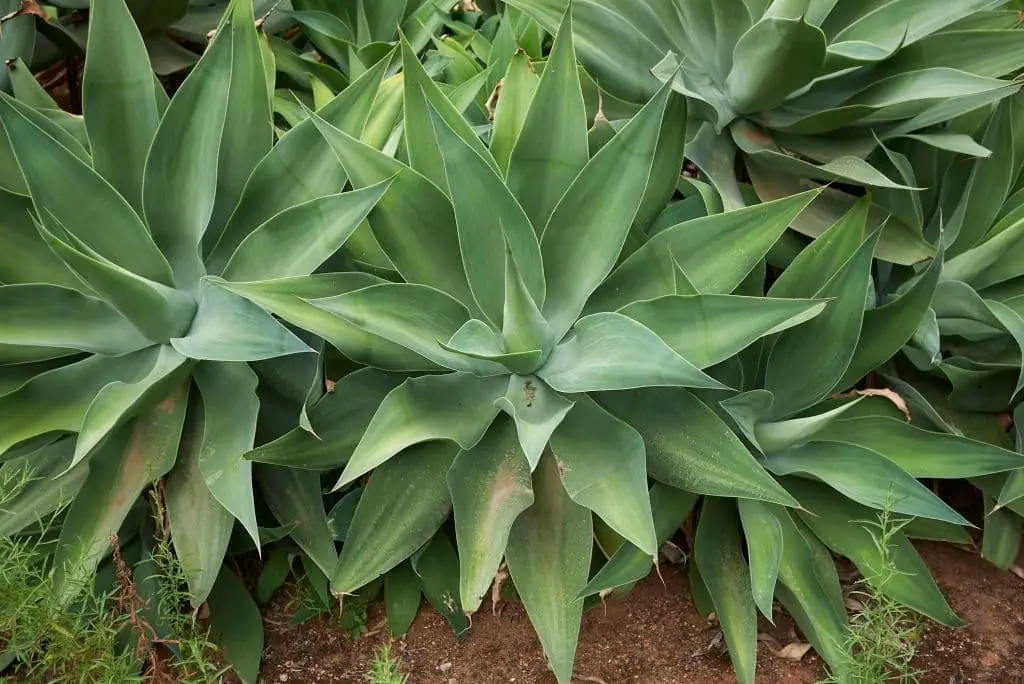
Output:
[[458, 407], [708, 329], [228, 327], [490, 486], [132, 457], [548, 557], [404, 503], [53, 316], [537, 411], [603, 467], [299, 239], [610, 351], [689, 447], [864, 476], [718, 553]]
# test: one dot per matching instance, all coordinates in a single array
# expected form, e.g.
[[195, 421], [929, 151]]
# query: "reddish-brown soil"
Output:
[[654, 635]]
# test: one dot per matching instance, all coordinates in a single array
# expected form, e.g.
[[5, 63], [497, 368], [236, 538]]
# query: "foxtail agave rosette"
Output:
[[123, 360], [527, 371], [802, 89]]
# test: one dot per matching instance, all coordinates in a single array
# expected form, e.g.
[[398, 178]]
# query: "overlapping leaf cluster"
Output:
[[546, 348]]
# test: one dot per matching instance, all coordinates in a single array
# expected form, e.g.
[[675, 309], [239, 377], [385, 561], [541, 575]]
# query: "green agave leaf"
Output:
[[774, 58], [236, 625], [422, 96], [338, 419], [490, 486], [57, 399], [414, 222], [294, 498], [53, 316], [537, 411], [455, 406], [668, 160], [548, 557], [587, 229], [290, 299], [133, 456], [987, 187], [179, 204], [403, 504], [716, 253], [282, 246], [708, 329], [603, 467], [523, 327], [416, 317], [1000, 543], [162, 367], [764, 536], [299, 154], [120, 112], [26, 258], [820, 261], [920, 452], [690, 447], [832, 519], [864, 476], [907, 21], [824, 347], [888, 328], [478, 340], [766, 154], [592, 359], [437, 566], [490, 223], [158, 311], [248, 130], [718, 553], [402, 596], [228, 327], [809, 589], [552, 147], [230, 411], [900, 243], [200, 527], [88, 207], [781, 434], [519, 88], [670, 508]]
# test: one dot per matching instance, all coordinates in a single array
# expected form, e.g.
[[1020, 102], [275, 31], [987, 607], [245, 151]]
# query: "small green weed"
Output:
[[195, 654], [52, 642], [105, 636], [882, 636], [386, 668]]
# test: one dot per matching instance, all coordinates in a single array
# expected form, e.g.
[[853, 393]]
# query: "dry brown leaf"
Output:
[[854, 605], [27, 7], [499, 580], [896, 399], [1017, 570], [792, 651]]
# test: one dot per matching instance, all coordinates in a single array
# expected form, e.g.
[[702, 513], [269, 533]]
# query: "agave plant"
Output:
[[962, 367], [804, 88], [531, 373], [123, 360]]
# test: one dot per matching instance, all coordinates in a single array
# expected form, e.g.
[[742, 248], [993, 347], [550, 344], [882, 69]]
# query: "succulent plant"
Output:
[[801, 88], [122, 360], [532, 373]]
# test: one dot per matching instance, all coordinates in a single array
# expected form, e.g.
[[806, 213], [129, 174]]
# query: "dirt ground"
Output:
[[654, 635]]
